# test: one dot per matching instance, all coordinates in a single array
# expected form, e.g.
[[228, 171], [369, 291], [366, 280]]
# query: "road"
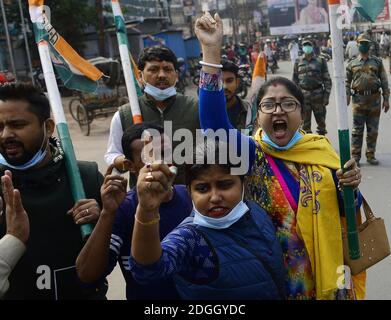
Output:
[[376, 183]]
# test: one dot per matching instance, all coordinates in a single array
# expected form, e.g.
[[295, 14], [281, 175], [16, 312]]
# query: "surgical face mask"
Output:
[[308, 49], [224, 222], [159, 94], [35, 160], [295, 139], [364, 47]]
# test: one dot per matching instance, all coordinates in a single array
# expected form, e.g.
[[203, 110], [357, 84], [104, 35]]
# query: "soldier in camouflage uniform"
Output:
[[374, 48], [365, 75], [311, 74]]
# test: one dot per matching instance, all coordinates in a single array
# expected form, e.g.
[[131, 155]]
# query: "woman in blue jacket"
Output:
[[227, 249]]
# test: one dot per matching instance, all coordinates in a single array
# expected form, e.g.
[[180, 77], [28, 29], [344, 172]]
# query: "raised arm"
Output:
[[153, 186], [213, 112]]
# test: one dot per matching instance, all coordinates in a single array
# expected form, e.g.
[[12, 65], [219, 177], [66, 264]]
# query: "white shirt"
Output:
[[268, 52], [352, 49], [114, 145], [294, 51], [11, 250], [384, 40]]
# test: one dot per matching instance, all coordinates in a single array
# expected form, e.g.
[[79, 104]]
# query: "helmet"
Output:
[[363, 38], [307, 40]]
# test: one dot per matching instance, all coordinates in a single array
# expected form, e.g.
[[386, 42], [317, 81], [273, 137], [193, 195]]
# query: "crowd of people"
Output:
[[193, 230]]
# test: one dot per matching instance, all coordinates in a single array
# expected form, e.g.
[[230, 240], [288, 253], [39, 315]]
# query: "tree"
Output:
[[70, 18]]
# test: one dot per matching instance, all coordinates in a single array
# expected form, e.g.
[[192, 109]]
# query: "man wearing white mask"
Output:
[[159, 103], [33, 158]]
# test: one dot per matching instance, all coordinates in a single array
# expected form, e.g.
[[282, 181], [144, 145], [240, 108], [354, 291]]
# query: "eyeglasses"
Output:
[[271, 106]]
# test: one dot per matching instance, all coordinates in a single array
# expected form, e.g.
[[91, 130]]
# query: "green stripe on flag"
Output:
[[70, 79], [370, 9], [121, 30], [72, 168], [348, 197]]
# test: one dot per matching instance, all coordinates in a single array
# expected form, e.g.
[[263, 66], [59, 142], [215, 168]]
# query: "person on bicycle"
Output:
[[240, 112]]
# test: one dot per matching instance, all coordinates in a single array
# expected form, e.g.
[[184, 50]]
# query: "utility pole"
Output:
[[169, 12], [26, 42], [233, 13], [8, 38], [101, 27]]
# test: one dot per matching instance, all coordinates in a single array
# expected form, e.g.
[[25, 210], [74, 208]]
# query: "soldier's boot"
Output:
[[372, 161], [320, 117], [322, 133], [307, 115]]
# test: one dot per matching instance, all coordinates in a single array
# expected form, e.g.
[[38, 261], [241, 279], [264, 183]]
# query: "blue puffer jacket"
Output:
[[250, 261]]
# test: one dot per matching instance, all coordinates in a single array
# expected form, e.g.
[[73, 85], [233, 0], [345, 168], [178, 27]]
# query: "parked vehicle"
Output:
[[182, 82], [105, 101], [245, 80], [39, 80]]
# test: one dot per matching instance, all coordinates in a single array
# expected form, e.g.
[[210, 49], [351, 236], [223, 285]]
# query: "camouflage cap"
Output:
[[363, 38], [307, 40]]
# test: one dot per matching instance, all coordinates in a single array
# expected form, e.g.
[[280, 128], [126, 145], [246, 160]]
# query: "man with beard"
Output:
[[36, 161], [160, 103], [240, 112]]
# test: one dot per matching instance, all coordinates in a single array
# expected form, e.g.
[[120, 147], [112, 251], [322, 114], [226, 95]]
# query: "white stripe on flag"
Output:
[[116, 9], [36, 14]]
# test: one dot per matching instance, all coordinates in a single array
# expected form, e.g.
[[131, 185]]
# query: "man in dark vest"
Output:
[[159, 103], [36, 161]]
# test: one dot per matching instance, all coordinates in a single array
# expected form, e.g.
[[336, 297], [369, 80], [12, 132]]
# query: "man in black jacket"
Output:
[[36, 160]]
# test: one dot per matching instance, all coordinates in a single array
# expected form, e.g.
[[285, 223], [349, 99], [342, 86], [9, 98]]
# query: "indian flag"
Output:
[[75, 72], [259, 76], [123, 42], [369, 9]]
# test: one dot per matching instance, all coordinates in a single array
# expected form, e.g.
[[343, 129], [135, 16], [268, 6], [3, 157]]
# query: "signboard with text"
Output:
[[298, 16]]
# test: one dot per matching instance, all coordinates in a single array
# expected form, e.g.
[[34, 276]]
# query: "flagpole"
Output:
[[343, 125], [61, 124], [123, 45], [26, 41], [8, 38]]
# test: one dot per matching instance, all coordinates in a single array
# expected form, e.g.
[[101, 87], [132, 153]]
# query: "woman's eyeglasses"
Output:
[[271, 106]]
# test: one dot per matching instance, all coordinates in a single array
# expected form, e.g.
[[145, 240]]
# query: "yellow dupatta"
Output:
[[318, 217]]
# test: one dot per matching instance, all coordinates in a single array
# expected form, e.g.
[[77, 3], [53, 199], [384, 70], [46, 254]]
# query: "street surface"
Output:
[[376, 181]]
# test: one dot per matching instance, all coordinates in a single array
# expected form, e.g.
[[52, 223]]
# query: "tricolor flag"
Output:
[[123, 40], [259, 76], [369, 9], [128, 66], [75, 72]]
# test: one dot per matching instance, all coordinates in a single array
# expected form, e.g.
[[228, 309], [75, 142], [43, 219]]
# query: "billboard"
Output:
[[298, 16]]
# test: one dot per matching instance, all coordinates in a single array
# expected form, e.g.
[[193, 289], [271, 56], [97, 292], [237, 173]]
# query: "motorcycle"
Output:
[[182, 82], [272, 64], [196, 76], [245, 80]]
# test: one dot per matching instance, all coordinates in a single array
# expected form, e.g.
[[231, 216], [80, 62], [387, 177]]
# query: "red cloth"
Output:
[[3, 79]]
